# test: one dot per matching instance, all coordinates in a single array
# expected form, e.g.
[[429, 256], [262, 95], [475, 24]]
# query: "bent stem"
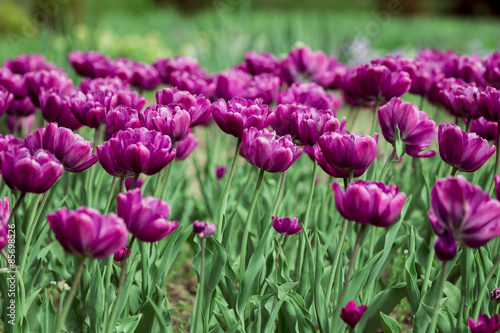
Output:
[[136, 177], [225, 196], [277, 257], [278, 194], [199, 294], [69, 300], [247, 224], [116, 305], [352, 262], [435, 314], [484, 287]]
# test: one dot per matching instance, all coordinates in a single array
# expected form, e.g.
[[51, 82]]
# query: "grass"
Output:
[[219, 38]]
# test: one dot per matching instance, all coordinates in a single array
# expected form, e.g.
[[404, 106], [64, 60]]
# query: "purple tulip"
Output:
[[121, 118], [259, 63], [85, 231], [121, 254], [417, 131], [442, 84], [197, 105], [129, 181], [144, 76], [460, 101], [332, 77], [369, 202], [348, 151], [88, 110], [26, 63], [316, 153], [90, 63], [492, 72], [55, 108], [465, 151], [20, 125], [302, 64], [484, 128], [129, 98], [351, 314], [423, 75], [495, 294], [220, 171], [464, 212], [497, 186], [166, 67], [8, 142], [189, 82], [466, 67], [14, 83], [310, 94], [185, 147], [21, 108], [135, 151], [283, 123], [33, 173], [4, 219], [263, 86], [285, 225], [104, 84], [172, 120], [309, 124], [266, 150], [45, 80], [146, 218], [73, 151], [239, 114], [488, 103], [485, 324], [231, 83], [5, 99], [204, 229]]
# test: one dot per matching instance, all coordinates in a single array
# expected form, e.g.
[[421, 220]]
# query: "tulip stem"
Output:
[[428, 268], [95, 141], [116, 305], [199, 294], [62, 314], [110, 196], [247, 224], [497, 161], [454, 171], [32, 226], [484, 287], [277, 257], [436, 305], [134, 182], [122, 184], [16, 206], [421, 103], [356, 111], [278, 194], [338, 251], [352, 262], [467, 125], [388, 162], [225, 196], [375, 118]]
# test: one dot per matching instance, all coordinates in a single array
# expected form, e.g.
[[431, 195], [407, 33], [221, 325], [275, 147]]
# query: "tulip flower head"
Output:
[[4, 218], [204, 229], [121, 254], [172, 120], [351, 314], [220, 171], [485, 324], [495, 294], [285, 225]]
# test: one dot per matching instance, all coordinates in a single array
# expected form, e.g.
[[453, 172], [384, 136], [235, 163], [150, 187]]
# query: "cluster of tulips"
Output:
[[294, 97]]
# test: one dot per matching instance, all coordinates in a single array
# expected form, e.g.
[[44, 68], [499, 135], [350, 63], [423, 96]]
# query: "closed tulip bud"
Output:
[[495, 294], [55, 109], [204, 229], [285, 225], [185, 147], [220, 171], [489, 104], [146, 218], [348, 151], [4, 218], [351, 314], [85, 231], [464, 151], [73, 151], [485, 324], [368, 202], [416, 130], [121, 254], [462, 211], [172, 120], [135, 151], [267, 151], [239, 114], [32, 173]]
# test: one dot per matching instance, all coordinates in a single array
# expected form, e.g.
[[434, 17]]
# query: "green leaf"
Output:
[[129, 324], [389, 324], [411, 274], [399, 144]]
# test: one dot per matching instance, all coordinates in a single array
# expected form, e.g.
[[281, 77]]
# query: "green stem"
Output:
[[454, 171], [97, 134], [421, 103], [225, 196], [484, 287], [248, 222], [352, 262], [110, 196], [122, 184], [497, 162], [467, 126], [338, 251], [158, 183], [388, 162], [278, 194], [116, 305], [136, 177], [198, 318], [435, 306], [277, 257], [16, 207], [356, 111], [375, 118], [145, 266], [62, 316], [31, 228], [430, 259], [167, 178], [21, 283], [465, 260]]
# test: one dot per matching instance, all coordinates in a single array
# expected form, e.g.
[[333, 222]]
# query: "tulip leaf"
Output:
[[399, 144], [411, 274], [129, 324], [389, 324]]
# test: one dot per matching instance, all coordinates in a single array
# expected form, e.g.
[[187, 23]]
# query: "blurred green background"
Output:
[[219, 32]]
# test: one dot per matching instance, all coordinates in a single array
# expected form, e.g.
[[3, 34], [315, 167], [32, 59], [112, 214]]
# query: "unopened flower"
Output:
[[204, 229], [220, 171], [351, 314], [121, 254], [286, 225]]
